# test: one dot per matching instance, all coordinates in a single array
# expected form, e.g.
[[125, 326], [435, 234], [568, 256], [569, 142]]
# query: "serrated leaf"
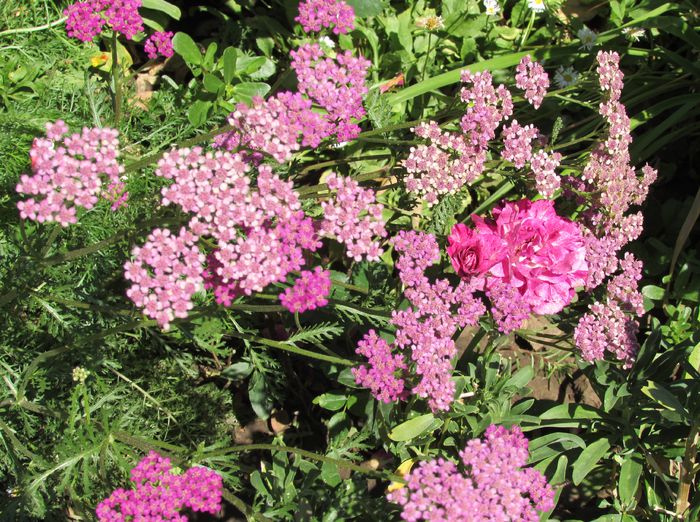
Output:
[[412, 428], [588, 459], [163, 6], [317, 333], [187, 48]]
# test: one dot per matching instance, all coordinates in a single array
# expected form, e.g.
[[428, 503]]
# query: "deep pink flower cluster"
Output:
[[159, 43], [424, 331], [335, 84], [165, 273], [383, 375], [494, 485], [354, 218], [517, 143], [610, 325], [159, 494], [315, 14], [309, 292], [69, 172], [526, 257], [85, 20], [531, 77]]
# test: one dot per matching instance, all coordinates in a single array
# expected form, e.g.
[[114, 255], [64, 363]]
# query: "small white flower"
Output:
[[430, 23], [326, 42], [491, 7], [633, 33], [587, 37], [536, 5], [565, 76]]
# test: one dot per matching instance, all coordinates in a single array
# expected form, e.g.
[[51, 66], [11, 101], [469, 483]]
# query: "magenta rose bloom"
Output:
[[473, 253], [545, 255]]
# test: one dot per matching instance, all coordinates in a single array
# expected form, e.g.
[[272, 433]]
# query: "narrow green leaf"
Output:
[[412, 428], [237, 371], [229, 58], [630, 473], [187, 48], [664, 397], [164, 7], [521, 378], [588, 459]]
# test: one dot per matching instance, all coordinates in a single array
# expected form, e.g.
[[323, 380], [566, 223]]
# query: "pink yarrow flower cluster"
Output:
[[539, 256], [316, 14], [69, 172], [450, 159], [309, 292], [159, 43], [517, 143], [159, 494], [87, 19], [423, 331], [494, 485], [531, 77]]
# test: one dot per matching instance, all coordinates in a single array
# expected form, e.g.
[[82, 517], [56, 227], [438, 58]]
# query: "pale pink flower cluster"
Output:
[[309, 292], [532, 78], [353, 217], [450, 160], [494, 486], [517, 143], [315, 14], [116, 193], [159, 43], [335, 84], [160, 495], [544, 167], [610, 325], [69, 171], [383, 375], [85, 20], [424, 330], [165, 273]]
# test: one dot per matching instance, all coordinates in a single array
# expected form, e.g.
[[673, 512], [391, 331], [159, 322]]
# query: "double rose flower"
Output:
[[526, 245]]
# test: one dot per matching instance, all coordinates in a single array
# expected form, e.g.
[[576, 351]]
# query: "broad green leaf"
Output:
[[213, 83], [229, 58], [198, 112], [331, 401], [237, 371], [655, 293], [630, 473], [365, 8], [522, 377], [187, 48], [664, 397], [164, 7], [247, 65], [246, 91], [412, 428], [588, 459], [259, 396]]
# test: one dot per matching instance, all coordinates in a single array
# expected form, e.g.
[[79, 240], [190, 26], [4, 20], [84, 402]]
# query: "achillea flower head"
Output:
[[117, 194], [160, 494], [493, 485], [517, 143], [159, 43], [335, 84], [69, 172], [309, 292], [382, 374], [531, 77], [85, 20], [165, 273], [543, 166], [316, 14], [353, 217]]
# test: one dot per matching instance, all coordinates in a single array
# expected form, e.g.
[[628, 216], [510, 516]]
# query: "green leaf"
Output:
[[655, 293], [664, 397], [213, 83], [630, 473], [187, 48], [412, 428], [588, 460], [521, 378], [237, 371], [164, 7], [331, 401], [259, 396], [365, 8], [247, 65], [198, 112], [347, 378], [246, 91], [229, 58]]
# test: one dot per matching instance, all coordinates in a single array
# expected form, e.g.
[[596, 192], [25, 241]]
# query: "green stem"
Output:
[[115, 81], [427, 56], [527, 30], [86, 403], [34, 29], [291, 348]]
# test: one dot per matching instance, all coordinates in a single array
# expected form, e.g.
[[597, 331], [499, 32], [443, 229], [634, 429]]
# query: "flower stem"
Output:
[[115, 81], [527, 30]]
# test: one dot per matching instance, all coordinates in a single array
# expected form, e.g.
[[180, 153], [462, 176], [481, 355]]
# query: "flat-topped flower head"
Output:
[[87, 19], [316, 14], [159, 43], [531, 77]]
